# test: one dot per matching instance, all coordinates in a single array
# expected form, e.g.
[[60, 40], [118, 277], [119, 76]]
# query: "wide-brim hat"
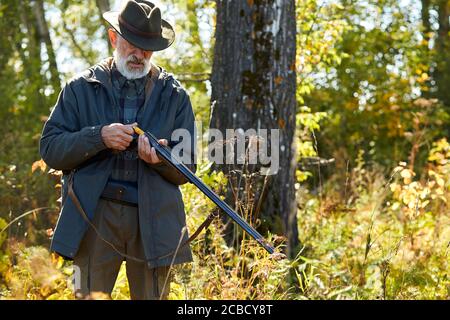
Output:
[[139, 22]]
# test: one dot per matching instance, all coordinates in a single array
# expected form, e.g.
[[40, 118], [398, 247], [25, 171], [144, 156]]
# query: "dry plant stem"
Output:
[[369, 242], [263, 193], [346, 181], [372, 217], [318, 168], [183, 231], [22, 216], [417, 142]]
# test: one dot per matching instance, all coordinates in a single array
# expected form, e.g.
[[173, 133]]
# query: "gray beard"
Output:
[[130, 74]]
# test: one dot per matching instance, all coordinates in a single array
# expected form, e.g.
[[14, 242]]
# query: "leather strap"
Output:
[[80, 209]]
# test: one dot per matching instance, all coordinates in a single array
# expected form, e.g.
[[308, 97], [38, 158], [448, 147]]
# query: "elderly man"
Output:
[[126, 203]]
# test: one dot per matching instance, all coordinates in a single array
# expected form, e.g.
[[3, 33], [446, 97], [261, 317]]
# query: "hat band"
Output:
[[137, 31]]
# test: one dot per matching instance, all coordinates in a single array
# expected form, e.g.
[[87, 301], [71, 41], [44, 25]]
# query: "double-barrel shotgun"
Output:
[[165, 153]]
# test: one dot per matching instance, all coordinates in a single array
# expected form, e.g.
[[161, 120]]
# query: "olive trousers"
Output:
[[98, 264]]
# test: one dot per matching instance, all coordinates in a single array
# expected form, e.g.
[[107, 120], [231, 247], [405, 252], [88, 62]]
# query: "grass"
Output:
[[380, 236]]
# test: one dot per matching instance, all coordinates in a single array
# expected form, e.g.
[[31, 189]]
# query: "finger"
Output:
[[119, 146], [140, 143], [155, 158], [126, 137], [141, 151], [122, 142], [146, 146], [126, 142], [164, 142], [129, 128]]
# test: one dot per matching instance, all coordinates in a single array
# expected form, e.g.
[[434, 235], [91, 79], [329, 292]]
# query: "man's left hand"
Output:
[[147, 153]]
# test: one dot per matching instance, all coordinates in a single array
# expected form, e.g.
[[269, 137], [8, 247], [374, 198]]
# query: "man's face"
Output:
[[131, 61]]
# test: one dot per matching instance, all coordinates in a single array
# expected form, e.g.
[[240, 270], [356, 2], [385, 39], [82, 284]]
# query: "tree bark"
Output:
[[103, 6], [44, 37], [10, 26], [31, 56], [426, 18], [253, 86], [442, 72]]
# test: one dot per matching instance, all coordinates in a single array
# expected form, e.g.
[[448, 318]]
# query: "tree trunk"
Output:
[[44, 37], [426, 19], [103, 6], [442, 72], [253, 86], [10, 26], [31, 56]]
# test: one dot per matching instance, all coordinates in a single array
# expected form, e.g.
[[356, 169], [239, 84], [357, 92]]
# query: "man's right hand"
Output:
[[118, 136]]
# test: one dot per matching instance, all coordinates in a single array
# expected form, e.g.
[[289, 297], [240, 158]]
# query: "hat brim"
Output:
[[149, 44]]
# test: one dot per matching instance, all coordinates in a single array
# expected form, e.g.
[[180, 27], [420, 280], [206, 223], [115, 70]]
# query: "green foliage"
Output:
[[190, 57], [387, 238], [321, 28], [36, 275], [81, 31], [372, 94]]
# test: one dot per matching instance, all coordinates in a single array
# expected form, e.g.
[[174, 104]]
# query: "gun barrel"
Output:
[[166, 154]]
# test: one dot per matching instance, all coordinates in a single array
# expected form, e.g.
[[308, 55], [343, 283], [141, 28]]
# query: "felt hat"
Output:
[[139, 22]]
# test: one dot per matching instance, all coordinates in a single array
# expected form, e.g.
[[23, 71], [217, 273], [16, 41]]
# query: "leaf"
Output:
[[339, 292], [278, 80], [40, 164], [440, 182], [406, 174]]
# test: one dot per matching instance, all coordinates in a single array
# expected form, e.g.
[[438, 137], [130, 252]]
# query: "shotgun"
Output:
[[166, 154]]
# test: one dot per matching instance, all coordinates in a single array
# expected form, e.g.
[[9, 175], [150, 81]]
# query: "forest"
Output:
[[359, 91]]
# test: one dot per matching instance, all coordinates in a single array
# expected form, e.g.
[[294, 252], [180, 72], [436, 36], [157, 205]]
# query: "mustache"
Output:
[[132, 58]]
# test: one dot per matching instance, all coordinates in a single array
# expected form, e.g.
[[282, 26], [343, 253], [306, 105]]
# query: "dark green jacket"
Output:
[[71, 139]]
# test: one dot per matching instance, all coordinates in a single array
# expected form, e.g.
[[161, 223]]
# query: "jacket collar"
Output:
[[101, 74]]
